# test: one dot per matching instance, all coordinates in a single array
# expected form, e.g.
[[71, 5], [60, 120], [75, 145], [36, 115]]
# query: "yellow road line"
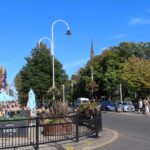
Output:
[[115, 136], [88, 142]]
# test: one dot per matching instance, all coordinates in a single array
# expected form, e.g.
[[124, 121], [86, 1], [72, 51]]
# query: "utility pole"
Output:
[[63, 93], [92, 81], [120, 89]]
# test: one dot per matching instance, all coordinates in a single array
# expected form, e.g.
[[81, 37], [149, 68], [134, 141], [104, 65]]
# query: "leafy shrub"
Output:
[[91, 108], [58, 109], [55, 113], [53, 121]]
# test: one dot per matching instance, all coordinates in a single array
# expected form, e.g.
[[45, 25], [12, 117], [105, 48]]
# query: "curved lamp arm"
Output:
[[45, 38], [52, 27]]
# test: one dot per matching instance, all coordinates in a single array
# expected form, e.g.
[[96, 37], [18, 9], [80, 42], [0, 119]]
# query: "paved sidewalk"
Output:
[[107, 136]]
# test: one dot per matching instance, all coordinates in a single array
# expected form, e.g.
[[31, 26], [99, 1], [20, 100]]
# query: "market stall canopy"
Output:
[[4, 97]]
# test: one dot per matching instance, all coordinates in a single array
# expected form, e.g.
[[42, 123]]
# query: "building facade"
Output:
[[3, 82]]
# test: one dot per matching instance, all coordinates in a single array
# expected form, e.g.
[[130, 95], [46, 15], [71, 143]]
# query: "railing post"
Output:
[[37, 134], [96, 126], [100, 119], [98, 123], [77, 127]]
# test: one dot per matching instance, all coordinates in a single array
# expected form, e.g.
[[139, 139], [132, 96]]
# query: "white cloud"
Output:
[[139, 21], [103, 48], [75, 64]]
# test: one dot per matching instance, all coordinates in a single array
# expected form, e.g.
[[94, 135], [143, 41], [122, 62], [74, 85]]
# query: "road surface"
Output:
[[133, 130]]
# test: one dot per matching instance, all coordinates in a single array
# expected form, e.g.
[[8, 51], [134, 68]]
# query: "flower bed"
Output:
[[53, 124], [57, 129]]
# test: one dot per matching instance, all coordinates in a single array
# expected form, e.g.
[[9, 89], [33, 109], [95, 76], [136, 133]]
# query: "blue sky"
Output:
[[107, 22]]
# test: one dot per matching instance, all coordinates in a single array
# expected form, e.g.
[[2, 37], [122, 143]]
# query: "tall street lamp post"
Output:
[[120, 91], [39, 42], [63, 92], [52, 47], [92, 81]]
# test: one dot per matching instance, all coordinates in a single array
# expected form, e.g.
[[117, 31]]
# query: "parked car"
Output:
[[80, 101], [128, 106], [118, 107], [108, 105]]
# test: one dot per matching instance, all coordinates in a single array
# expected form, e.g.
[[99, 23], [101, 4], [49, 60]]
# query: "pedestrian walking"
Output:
[[140, 105], [147, 106]]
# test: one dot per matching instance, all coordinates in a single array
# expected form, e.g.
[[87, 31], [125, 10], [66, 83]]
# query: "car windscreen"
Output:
[[84, 101], [127, 103]]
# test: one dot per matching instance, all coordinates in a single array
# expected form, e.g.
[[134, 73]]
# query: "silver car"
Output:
[[127, 106]]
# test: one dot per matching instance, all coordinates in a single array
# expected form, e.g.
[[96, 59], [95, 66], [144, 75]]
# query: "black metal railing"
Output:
[[34, 132]]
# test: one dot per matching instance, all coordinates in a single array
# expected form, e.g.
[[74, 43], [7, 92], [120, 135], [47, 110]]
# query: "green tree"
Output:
[[136, 75], [109, 70], [37, 74]]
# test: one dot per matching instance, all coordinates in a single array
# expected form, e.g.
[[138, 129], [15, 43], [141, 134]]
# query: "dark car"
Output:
[[108, 105]]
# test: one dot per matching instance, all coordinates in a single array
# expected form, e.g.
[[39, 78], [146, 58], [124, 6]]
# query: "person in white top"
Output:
[[146, 103], [140, 105]]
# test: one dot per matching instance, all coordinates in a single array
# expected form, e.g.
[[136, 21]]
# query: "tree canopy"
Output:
[[128, 64], [37, 74]]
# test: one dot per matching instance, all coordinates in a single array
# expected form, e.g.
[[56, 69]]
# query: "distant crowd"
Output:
[[7, 108]]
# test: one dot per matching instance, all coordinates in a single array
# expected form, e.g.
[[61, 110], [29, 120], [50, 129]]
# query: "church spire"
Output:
[[92, 50]]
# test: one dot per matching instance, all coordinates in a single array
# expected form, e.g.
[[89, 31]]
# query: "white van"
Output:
[[81, 100]]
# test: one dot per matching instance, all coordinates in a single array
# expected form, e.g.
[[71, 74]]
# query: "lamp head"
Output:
[[68, 32]]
